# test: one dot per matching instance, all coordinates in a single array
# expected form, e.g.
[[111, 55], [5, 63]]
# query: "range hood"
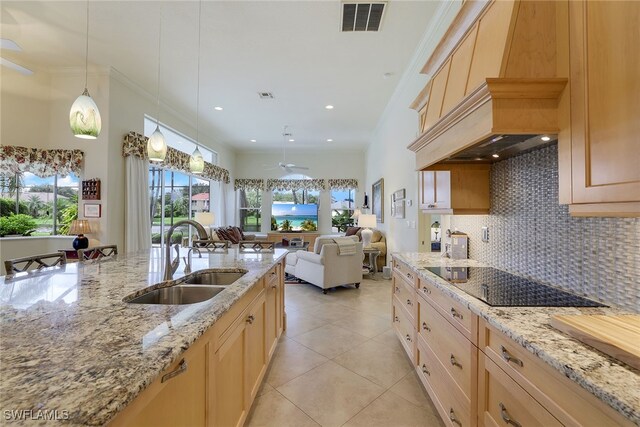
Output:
[[501, 147], [495, 88]]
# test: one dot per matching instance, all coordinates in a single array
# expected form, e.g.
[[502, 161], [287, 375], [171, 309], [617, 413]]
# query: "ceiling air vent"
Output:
[[362, 16], [265, 95]]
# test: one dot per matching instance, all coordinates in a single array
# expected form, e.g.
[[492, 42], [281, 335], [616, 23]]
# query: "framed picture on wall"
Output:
[[377, 200], [92, 210]]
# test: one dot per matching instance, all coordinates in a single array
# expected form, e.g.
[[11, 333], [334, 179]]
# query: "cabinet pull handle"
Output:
[[425, 370], [395, 319], [274, 286], [454, 313], [431, 206], [397, 289], [409, 276], [505, 416], [454, 362], [509, 358], [182, 368], [426, 290], [426, 327], [452, 417], [250, 319], [408, 338], [409, 302]]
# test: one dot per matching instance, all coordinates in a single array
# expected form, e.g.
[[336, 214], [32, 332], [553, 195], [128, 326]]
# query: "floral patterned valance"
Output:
[[296, 184], [248, 184], [343, 184], [40, 162], [136, 145]]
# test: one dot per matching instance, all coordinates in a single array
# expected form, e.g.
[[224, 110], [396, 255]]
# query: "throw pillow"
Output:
[[376, 237], [222, 234], [235, 232], [240, 232], [351, 231]]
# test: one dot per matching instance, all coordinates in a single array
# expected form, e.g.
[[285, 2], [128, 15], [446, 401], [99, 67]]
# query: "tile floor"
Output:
[[340, 364]]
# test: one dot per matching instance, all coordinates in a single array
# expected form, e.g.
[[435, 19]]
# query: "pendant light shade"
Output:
[[84, 117], [156, 146], [196, 162]]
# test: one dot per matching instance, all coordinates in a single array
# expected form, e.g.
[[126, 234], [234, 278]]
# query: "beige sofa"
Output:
[[324, 267]]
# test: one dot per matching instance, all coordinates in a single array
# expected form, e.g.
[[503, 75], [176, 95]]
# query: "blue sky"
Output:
[[280, 209]]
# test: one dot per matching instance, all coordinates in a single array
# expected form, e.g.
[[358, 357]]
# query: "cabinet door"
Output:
[[605, 100], [273, 309], [230, 396], [257, 356], [435, 190], [182, 398]]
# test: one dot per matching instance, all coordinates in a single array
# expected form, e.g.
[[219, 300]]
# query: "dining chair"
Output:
[[18, 265]]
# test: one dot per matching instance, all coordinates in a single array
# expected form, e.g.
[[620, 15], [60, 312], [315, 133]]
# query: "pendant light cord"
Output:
[[86, 51], [198, 84], [158, 82]]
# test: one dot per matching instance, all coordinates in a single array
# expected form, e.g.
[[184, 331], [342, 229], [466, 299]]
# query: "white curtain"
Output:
[[137, 228], [221, 215]]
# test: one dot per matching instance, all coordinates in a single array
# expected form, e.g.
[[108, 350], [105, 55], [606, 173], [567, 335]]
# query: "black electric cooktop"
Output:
[[501, 289]]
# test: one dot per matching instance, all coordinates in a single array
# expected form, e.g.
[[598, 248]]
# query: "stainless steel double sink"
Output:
[[198, 287]]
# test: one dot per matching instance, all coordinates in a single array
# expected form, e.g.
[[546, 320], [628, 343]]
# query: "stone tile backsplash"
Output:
[[532, 235]]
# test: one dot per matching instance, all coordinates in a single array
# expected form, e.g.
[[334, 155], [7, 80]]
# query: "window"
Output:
[[295, 210], [174, 197], [51, 203], [342, 207], [250, 204]]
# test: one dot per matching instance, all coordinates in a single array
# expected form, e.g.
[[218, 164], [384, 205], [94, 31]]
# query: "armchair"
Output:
[[326, 269]]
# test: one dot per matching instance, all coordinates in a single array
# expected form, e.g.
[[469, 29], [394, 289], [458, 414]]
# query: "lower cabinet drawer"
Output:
[[454, 351], [502, 402], [454, 407], [405, 294], [459, 315], [403, 325]]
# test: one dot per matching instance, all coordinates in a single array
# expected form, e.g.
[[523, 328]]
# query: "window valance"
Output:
[[136, 145], [343, 184], [40, 162], [248, 184], [296, 184]]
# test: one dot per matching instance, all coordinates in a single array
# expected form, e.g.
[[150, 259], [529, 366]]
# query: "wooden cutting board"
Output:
[[617, 336]]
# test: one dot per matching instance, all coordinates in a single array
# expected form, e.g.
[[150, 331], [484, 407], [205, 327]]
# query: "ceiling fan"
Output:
[[287, 167]]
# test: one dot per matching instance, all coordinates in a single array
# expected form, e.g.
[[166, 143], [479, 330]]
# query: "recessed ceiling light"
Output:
[[292, 140], [545, 138], [252, 140], [495, 155], [329, 107], [329, 140], [218, 108]]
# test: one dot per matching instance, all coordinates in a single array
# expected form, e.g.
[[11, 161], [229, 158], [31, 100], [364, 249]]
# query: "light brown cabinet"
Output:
[[454, 188], [179, 395], [599, 149], [216, 380], [475, 374]]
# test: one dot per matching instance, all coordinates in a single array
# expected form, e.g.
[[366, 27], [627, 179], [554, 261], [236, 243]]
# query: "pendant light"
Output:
[[84, 116], [156, 145], [196, 162]]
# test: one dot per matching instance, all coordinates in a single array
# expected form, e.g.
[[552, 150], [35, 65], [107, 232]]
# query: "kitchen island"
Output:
[[504, 353], [70, 347]]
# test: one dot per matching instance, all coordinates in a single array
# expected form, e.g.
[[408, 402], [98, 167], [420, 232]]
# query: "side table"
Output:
[[373, 259]]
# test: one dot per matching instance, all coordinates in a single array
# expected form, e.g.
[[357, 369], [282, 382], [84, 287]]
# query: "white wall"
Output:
[[387, 156], [326, 164]]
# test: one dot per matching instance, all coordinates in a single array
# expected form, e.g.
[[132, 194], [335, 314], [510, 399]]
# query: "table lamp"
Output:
[[80, 227], [367, 222], [206, 219]]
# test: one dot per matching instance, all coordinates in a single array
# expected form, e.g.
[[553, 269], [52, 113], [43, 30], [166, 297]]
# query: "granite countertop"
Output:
[[69, 343], [615, 383]]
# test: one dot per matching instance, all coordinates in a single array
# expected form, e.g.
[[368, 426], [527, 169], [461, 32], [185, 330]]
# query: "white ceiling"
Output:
[[293, 49]]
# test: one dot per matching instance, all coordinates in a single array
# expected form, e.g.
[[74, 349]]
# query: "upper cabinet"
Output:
[[599, 149], [455, 188]]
